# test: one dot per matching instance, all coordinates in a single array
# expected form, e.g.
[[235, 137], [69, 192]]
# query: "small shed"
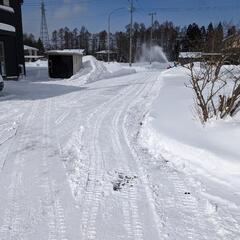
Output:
[[64, 63]]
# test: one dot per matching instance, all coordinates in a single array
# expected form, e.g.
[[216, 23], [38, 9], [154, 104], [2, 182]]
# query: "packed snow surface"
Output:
[[72, 166]]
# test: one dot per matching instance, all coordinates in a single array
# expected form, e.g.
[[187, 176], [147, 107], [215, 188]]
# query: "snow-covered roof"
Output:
[[67, 52], [6, 27], [33, 56], [6, 8], [104, 52], [190, 54], [26, 47]]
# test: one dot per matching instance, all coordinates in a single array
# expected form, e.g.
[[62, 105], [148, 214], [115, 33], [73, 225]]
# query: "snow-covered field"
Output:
[[89, 158]]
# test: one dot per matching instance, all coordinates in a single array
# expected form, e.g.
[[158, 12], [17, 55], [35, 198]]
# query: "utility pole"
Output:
[[151, 38], [131, 30]]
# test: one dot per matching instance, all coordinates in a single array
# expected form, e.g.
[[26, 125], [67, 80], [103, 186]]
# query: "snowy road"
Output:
[[71, 166]]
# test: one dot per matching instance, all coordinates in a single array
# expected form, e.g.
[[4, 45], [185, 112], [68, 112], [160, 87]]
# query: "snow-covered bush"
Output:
[[216, 87]]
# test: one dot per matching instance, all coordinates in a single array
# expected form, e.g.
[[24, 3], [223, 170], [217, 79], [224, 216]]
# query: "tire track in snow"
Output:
[[12, 222], [187, 203], [96, 172], [141, 171], [135, 224], [132, 222], [51, 203], [104, 109]]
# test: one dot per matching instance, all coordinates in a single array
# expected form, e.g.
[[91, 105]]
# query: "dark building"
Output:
[[11, 39], [64, 63]]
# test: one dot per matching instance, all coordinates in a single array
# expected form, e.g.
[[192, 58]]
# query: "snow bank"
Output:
[[172, 131], [94, 70], [38, 63]]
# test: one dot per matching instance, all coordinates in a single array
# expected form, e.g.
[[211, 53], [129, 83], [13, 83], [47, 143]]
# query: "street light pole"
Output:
[[109, 29], [151, 38]]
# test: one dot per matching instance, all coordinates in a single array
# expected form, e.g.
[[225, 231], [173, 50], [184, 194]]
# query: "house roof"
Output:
[[26, 47], [190, 54], [66, 52]]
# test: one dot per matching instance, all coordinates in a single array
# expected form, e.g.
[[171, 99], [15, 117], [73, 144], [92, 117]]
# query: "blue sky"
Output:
[[93, 13]]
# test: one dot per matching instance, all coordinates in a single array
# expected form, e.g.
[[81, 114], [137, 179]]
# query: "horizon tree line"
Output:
[[173, 39]]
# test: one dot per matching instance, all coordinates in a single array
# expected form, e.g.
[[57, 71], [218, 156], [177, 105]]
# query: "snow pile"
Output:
[[94, 70], [38, 63], [172, 131]]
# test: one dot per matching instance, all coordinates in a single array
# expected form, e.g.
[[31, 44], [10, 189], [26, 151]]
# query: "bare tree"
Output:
[[216, 88]]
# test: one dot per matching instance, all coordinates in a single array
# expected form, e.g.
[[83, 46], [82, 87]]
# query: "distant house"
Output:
[[103, 55], [232, 43], [64, 63], [188, 57], [231, 47], [11, 39], [31, 54]]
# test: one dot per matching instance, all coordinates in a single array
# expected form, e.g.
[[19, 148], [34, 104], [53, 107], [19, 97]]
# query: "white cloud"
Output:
[[68, 10]]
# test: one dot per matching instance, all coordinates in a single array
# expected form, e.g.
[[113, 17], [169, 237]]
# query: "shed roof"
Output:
[[66, 52]]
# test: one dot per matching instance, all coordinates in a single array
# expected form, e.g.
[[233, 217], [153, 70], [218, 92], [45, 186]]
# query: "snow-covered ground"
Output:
[[71, 166], [208, 155]]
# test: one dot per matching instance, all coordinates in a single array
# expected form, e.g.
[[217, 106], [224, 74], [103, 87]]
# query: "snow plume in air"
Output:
[[156, 54]]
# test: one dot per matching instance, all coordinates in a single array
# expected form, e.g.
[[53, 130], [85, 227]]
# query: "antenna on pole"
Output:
[[44, 36]]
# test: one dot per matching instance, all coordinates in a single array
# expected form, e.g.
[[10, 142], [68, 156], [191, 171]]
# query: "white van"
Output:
[[1, 83]]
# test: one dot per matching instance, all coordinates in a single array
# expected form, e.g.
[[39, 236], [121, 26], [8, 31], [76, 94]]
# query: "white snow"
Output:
[[6, 8], [94, 70], [7, 27], [209, 155], [67, 51]]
